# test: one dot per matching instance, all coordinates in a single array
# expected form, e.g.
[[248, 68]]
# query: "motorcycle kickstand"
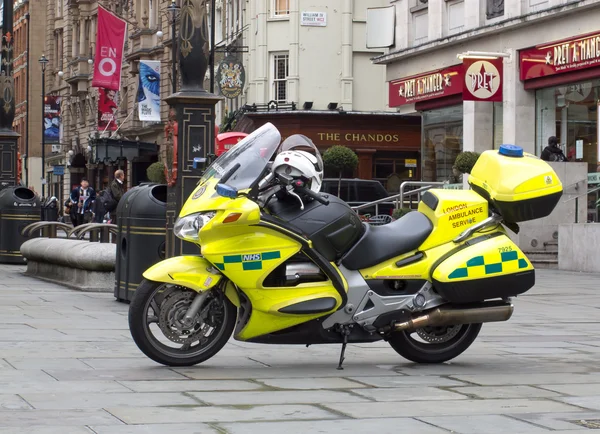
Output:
[[345, 331]]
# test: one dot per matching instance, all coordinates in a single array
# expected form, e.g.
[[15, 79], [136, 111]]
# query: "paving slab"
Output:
[[590, 389], [379, 426], [488, 424], [172, 428], [277, 397], [150, 415], [408, 394], [53, 418], [494, 392], [310, 383], [450, 408], [191, 385], [72, 401]]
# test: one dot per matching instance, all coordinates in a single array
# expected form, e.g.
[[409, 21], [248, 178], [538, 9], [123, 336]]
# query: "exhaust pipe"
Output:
[[443, 316]]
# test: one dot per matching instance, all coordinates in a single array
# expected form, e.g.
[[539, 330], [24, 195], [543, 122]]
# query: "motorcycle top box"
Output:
[[519, 186]]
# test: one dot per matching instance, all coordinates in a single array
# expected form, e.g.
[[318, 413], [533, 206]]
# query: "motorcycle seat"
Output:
[[380, 243]]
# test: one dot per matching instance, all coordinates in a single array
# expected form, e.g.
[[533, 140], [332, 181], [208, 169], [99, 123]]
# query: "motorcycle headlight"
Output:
[[187, 228]]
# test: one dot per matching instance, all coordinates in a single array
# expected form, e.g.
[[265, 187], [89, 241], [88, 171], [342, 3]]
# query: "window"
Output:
[[280, 74], [494, 8], [442, 140], [421, 27], [281, 8], [456, 16]]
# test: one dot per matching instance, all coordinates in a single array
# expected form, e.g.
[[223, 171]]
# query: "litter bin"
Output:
[[142, 222], [50, 209], [19, 207]]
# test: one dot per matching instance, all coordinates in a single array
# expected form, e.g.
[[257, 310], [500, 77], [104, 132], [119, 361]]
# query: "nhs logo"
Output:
[[250, 258]]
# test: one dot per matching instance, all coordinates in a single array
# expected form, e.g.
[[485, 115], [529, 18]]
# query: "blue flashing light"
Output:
[[198, 162], [511, 151], [225, 190]]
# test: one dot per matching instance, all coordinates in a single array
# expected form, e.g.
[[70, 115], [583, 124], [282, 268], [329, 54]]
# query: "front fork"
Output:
[[193, 310], [229, 290]]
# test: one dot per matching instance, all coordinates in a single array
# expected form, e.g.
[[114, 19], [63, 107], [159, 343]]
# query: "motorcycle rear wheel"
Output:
[[439, 345], [158, 307]]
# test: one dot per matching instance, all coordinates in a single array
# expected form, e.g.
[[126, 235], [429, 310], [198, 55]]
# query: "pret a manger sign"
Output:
[[434, 84], [577, 53]]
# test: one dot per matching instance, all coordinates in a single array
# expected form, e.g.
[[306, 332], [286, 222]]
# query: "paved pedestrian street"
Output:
[[68, 365]]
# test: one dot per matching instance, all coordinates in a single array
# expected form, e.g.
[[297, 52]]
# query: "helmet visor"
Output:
[[299, 142]]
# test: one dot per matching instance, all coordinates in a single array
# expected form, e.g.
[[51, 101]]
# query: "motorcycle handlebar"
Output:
[[316, 196]]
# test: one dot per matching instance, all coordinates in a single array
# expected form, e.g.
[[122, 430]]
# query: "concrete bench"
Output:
[[78, 264]]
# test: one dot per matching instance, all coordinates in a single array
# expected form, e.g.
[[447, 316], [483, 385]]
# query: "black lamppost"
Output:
[[173, 8], [212, 46], [27, 17], [43, 62]]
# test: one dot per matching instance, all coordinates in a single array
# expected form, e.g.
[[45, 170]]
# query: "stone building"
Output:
[[70, 46], [551, 53], [309, 71], [29, 15]]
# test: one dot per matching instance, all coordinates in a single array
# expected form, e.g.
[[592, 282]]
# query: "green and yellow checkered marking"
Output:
[[251, 262], [490, 268]]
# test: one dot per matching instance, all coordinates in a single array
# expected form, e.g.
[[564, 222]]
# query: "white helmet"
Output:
[[299, 158]]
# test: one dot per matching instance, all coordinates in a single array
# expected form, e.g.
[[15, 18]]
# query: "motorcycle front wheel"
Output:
[[434, 344], [156, 323]]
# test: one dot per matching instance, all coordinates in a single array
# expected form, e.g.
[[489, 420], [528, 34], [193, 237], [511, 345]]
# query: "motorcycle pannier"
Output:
[[518, 185], [484, 268]]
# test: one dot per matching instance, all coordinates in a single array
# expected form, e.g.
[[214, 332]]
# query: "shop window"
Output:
[[442, 140], [280, 76], [280, 8], [494, 8], [571, 114], [391, 172]]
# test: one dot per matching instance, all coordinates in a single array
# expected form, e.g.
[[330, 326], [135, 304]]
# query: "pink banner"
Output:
[[110, 40]]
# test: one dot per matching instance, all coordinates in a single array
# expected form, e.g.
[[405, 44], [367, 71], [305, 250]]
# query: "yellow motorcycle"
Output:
[[283, 264]]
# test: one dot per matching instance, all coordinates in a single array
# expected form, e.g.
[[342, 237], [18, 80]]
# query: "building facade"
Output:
[[70, 41], [308, 71], [551, 53], [28, 48]]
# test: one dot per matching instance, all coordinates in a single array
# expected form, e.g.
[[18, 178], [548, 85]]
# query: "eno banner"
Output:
[[149, 91], [483, 79], [110, 41]]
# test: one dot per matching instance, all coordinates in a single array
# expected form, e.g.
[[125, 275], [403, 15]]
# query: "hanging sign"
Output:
[[149, 91], [107, 110], [110, 41], [52, 120], [483, 79], [231, 77]]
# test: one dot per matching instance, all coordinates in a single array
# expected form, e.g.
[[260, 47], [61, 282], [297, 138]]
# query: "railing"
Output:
[[399, 198], [102, 232], [576, 198], [46, 229]]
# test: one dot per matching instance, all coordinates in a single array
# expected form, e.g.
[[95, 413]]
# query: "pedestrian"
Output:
[[81, 199], [552, 152], [117, 189]]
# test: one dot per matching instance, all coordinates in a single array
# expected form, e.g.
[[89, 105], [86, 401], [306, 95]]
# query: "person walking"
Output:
[[81, 200], [117, 189], [552, 152]]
